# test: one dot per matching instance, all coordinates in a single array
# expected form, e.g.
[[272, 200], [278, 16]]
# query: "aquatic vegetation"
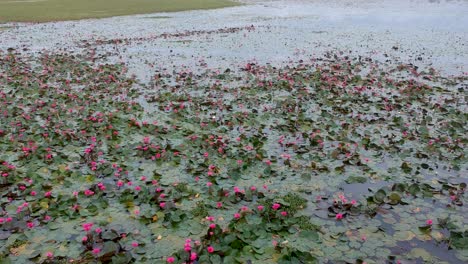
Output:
[[230, 166]]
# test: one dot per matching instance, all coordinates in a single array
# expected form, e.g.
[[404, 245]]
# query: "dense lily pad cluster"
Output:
[[256, 165], [183, 34]]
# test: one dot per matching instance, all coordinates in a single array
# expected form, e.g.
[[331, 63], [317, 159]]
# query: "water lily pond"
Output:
[[329, 158]]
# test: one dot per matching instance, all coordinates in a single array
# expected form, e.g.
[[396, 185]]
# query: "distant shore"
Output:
[[63, 10]]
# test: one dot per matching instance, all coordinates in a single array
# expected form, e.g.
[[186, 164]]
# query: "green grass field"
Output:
[[55, 10]]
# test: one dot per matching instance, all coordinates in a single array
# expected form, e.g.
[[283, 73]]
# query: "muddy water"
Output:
[[425, 33]]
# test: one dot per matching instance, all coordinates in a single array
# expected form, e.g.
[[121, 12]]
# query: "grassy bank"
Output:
[[55, 10]]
